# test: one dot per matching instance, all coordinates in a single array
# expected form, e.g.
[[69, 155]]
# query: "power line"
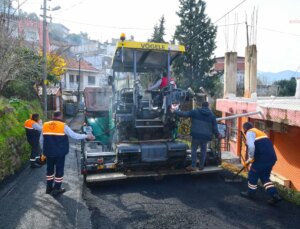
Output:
[[195, 36], [294, 73], [74, 5], [233, 24], [277, 31], [107, 26], [22, 3], [230, 11], [137, 28]]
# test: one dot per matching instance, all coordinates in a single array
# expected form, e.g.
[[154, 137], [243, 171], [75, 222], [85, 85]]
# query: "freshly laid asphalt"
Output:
[[24, 203], [187, 201], [184, 201]]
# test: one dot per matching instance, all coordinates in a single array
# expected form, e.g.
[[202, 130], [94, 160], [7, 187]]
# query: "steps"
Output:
[[230, 157]]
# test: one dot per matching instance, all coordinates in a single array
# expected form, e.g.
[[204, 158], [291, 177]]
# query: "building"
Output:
[[99, 55], [279, 117], [32, 32], [89, 76], [219, 67], [54, 98], [262, 88]]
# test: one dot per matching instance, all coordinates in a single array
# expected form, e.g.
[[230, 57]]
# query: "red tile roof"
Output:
[[74, 64], [50, 90], [219, 65]]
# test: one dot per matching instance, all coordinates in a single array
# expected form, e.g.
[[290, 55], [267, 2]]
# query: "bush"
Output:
[[14, 149], [19, 89]]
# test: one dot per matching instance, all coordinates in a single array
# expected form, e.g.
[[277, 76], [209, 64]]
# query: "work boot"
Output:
[[275, 199], [247, 195], [58, 191], [49, 190], [191, 169], [201, 167], [35, 165]]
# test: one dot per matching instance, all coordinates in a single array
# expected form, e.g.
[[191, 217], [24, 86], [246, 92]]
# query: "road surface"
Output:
[[185, 201]]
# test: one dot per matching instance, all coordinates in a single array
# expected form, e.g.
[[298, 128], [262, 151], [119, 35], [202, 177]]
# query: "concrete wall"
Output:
[[230, 74], [297, 94], [250, 71], [267, 90]]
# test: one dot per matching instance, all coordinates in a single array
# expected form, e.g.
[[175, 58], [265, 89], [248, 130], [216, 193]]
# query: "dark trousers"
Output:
[[261, 171], [195, 144], [55, 171], [35, 152]]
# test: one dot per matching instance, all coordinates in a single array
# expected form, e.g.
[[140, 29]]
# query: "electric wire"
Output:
[[200, 32], [294, 73], [107, 26], [67, 9], [230, 11], [281, 32]]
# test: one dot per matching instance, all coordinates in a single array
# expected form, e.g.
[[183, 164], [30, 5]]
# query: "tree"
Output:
[[78, 39], [198, 34], [26, 75], [287, 87], [159, 31], [56, 67], [10, 58]]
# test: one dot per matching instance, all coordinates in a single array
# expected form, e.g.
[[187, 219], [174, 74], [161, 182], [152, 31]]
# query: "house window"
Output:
[[77, 78], [91, 80], [71, 78]]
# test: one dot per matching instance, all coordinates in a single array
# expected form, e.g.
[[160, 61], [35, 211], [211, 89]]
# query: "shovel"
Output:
[[235, 178]]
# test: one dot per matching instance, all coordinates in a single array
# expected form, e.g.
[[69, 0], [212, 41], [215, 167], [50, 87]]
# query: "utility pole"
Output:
[[44, 58], [44, 77], [79, 73]]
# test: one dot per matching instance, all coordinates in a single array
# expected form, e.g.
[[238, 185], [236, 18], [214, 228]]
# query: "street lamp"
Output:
[[78, 57], [44, 8]]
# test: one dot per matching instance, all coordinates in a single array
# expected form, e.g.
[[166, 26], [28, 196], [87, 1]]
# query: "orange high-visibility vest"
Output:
[[259, 134], [54, 128], [29, 123], [56, 143], [32, 135]]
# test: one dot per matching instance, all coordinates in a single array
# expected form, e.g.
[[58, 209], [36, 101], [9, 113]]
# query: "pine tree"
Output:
[[197, 33], [159, 31]]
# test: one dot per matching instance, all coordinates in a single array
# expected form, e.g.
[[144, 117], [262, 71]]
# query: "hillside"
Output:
[[271, 77], [14, 149]]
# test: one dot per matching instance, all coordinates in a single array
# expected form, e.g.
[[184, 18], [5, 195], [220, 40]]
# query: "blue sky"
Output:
[[277, 29]]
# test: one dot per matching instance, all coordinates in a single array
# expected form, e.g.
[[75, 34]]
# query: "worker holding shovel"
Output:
[[262, 157]]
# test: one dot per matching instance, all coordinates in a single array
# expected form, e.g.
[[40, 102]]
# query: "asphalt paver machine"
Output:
[[134, 128]]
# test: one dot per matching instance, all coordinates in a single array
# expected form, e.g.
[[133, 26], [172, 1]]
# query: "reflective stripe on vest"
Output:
[[54, 128], [29, 124], [258, 133]]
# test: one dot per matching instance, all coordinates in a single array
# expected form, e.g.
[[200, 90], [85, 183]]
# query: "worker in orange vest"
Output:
[[33, 131], [56, 147], [262, 157]]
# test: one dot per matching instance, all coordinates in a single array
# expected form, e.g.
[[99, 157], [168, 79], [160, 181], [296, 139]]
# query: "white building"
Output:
[[89, 77]]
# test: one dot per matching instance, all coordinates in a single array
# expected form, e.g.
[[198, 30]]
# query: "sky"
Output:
[[274, 25]]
